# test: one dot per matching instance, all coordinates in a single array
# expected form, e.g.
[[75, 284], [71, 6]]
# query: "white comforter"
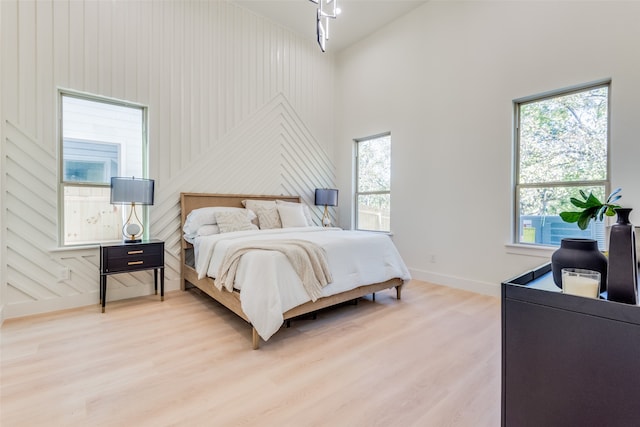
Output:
[[269, 283]]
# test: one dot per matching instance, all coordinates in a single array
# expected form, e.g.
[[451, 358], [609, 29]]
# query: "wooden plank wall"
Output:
[[237, 104]]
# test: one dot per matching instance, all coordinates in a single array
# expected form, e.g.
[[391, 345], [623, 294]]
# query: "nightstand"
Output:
[[127, 257]]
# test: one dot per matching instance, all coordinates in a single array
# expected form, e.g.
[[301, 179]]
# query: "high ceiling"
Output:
[[358, 19]]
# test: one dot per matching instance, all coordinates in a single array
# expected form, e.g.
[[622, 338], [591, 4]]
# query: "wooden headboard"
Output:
[[191, 201]]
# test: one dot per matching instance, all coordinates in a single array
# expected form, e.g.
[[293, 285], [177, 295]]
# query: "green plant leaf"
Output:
[[570, 216], [583, 220], [593, 201], [578, 203]]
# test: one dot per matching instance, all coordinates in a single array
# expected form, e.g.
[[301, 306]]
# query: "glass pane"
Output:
[[373, 212], [90, 162], [374, 164], [564, 138], [539, 215], [89, 216], [101, 140]]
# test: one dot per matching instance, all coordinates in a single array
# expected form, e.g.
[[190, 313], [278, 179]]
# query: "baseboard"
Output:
[[484, 288], [22, 309]]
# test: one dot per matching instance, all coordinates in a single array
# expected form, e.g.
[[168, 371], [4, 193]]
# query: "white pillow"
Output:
[[234, 221], [203, 216], [205, 230], [209, 229], [268, 217], [292, 215], [305, 210]]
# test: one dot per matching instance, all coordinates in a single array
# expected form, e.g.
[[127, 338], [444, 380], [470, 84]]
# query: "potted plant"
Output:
[[592, 208], [584, 253]]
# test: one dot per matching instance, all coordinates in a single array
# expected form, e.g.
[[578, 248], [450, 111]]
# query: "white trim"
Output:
[[82, 300], [531, 250], [75, 248], [484, 288]]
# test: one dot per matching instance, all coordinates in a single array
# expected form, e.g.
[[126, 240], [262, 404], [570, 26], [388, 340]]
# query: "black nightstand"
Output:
[[127, 257]]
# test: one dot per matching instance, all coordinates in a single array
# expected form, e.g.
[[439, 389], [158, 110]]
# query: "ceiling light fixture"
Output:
[[327, 9]]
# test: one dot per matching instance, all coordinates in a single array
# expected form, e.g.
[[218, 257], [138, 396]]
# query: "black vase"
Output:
[[579, 253], [622, 281]]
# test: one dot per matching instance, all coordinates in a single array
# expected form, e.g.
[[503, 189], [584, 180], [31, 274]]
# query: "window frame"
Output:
[[357, 180], [62, 184], [517, 186]]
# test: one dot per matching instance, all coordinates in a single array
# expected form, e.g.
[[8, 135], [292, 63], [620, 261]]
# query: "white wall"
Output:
[[236, 105], [442, 80]]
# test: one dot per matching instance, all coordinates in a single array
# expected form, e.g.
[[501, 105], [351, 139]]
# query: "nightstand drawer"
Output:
[[134, 250], [125, 258], [132, 263]]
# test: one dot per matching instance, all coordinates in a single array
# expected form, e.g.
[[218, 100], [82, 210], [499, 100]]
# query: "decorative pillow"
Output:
[[292, 215], [268, 217], [305, 210], [207, 216], [234, 221], [254, 205]]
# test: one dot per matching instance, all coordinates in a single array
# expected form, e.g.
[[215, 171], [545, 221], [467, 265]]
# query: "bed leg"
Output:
[[399, 292], [255, 338]]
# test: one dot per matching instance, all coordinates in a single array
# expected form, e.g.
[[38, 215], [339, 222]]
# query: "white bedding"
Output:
[[269, 283]]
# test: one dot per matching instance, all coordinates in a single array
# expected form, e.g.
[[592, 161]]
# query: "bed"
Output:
[[257, 270]]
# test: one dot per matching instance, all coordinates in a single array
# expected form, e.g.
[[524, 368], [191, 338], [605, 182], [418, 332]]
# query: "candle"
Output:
[[584, 283]]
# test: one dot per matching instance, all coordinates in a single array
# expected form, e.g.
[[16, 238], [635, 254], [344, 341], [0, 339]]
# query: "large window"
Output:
[[373, 183], [562, 142], [100, 138]]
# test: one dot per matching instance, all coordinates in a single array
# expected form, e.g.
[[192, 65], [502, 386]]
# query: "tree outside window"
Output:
[[373, 183], [562, 144]]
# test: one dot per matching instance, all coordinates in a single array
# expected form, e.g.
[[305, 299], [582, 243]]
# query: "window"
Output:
[[562, 142], [100, 138], [373, 183]]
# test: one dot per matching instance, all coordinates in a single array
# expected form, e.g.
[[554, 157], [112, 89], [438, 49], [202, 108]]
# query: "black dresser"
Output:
[[567, 360]]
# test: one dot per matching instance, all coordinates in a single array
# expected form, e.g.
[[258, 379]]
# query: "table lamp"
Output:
[[326, 197], [132, 190]]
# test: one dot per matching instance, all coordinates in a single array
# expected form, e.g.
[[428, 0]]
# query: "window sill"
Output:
[[75, 248], [388, 233], [531, 250]]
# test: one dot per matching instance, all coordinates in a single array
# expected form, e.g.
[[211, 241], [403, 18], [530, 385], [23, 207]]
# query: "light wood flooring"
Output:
[[430, 359]]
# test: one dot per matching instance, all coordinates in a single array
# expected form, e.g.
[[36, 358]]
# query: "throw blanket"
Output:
[[307, 259]]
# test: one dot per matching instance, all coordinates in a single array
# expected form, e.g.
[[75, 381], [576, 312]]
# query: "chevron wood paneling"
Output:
[[236, 103]]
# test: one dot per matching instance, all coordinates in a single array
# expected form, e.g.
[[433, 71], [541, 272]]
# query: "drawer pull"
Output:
[[134, 252], [135, 262]]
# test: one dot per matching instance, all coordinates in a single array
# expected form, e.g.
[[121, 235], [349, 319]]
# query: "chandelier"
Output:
[[327, 9]]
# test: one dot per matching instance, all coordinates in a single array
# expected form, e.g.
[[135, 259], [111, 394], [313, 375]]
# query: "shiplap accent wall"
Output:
[[237, 104]]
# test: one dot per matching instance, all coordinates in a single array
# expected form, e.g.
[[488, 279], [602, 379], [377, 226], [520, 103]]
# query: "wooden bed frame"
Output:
[[231, 300]]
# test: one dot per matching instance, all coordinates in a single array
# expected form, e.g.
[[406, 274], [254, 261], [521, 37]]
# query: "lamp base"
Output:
[[132, 240], [326, 220]]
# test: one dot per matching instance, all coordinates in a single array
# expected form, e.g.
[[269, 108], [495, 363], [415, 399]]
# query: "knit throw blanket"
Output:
[[307, 259]]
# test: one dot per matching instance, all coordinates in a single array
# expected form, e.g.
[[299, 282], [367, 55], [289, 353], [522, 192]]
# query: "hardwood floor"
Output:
[[431, 359]]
